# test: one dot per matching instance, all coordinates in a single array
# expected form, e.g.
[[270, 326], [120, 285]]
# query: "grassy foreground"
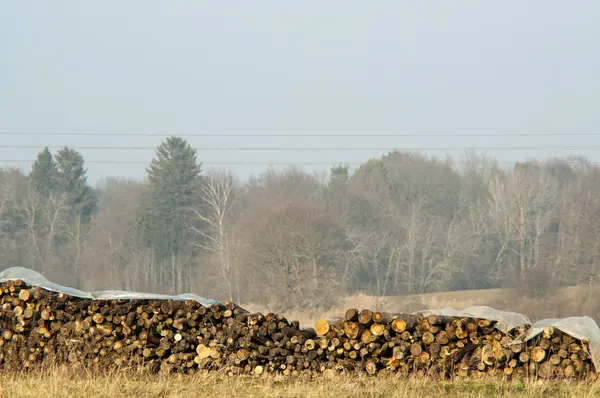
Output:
[[69, 384]]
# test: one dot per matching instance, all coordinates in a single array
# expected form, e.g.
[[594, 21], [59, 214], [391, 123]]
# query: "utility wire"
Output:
[[289, 148], [308, 134], [283, 163]]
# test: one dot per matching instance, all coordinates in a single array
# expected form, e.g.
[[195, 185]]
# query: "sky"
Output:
[[309, 83]]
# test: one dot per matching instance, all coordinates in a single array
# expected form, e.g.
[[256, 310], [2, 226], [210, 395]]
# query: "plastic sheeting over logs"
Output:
[[506, 321], [35, 279], [582, 328]]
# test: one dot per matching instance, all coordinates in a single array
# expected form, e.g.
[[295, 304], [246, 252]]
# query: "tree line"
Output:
[[402, 223]]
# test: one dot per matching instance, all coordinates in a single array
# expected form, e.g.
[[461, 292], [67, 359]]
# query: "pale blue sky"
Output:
[[305, 67]]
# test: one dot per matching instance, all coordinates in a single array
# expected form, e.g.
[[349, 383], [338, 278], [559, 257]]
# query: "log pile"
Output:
[[41, 327], [424, 345], [553, 354], [441, 346]]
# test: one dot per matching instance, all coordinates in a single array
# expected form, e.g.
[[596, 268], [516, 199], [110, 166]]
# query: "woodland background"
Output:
[[399, 224]]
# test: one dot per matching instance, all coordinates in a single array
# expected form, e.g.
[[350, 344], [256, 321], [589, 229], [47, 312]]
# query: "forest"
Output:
[[402, 223]]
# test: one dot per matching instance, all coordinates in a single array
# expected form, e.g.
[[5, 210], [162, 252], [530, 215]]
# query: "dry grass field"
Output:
[[65, 384]]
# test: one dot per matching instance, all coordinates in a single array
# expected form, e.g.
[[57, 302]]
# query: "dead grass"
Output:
[[120, 384], [564, 302]]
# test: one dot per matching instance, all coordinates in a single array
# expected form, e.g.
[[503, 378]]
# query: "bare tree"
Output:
[[483, 241], [420, 263], [10, 221], [296, 247], [577, 254], [292, 245], [217, 200], [111, 257], [523, 206], [46, 219]]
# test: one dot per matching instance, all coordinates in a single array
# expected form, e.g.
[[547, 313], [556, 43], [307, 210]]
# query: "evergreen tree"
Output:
[[72, 179], [339, 175], [44, 175], [174, 178]]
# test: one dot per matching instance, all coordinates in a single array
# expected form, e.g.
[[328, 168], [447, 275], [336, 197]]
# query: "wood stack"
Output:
[[40, 327], [441, 346], [553, 354]]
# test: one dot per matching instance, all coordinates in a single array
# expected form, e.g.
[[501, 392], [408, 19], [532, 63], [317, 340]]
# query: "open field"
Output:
[[66, 384], [561, 303]]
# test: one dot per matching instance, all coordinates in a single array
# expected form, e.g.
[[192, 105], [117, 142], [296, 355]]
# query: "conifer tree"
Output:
[[44, 175], [72, 179], [174, 179]]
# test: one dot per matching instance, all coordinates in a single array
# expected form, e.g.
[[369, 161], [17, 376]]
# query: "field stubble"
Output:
[[67, 383]]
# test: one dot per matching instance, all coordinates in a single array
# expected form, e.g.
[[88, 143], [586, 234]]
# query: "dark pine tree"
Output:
[[72, 179], [44, 174], [174, 178]]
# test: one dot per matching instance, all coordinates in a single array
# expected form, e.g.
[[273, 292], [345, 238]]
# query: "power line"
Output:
[[222, 163], [281, 163], [316, 149], [312, 134]]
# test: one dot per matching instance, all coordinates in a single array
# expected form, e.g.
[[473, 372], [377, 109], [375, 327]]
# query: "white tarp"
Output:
[[580, 327], [505, 321], [35, 279]]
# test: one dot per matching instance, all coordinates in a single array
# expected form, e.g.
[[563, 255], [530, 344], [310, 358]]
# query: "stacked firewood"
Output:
[[442, 346], [553, 354], [41, 327], [433, 345]]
